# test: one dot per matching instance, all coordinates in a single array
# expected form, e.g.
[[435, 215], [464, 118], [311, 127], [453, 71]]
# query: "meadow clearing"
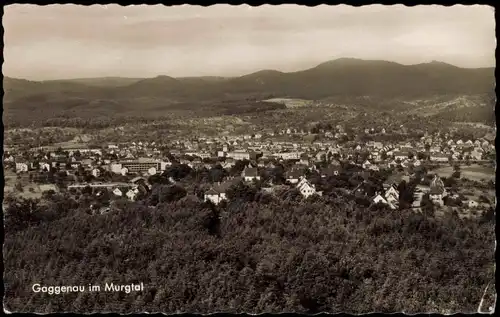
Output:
[[473, 172]]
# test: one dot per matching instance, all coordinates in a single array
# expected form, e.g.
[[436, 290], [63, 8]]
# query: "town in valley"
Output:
[[440, 171], [238, 159]]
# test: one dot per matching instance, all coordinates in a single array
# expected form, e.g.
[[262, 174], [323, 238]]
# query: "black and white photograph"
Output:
[[249, 159]]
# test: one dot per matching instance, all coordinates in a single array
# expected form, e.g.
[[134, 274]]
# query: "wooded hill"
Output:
[[343, 78]]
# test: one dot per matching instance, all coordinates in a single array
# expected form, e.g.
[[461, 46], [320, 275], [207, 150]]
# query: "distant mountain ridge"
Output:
[[344, 77], [343, 61]]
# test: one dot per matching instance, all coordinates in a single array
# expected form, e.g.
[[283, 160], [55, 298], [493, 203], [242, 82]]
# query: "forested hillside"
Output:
[[485, 115], [255, 254], [27, 102]]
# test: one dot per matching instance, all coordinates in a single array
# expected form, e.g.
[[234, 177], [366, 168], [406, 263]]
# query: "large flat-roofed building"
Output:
[[242, 155], [239, 155], [137, 166]]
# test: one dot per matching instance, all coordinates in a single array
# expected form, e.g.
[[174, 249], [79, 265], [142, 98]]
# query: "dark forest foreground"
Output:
[[255, 254]]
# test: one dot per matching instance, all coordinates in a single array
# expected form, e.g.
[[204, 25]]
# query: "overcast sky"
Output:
[[71, 41]]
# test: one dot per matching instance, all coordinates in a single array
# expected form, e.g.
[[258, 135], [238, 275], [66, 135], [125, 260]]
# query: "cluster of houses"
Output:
[[150, 158], [218, 193], [389, 197], [240, 148]]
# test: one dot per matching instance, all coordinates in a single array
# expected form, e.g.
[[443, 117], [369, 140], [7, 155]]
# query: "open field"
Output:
[[70, 144], [473, 172], [291, 103], [30, 190]]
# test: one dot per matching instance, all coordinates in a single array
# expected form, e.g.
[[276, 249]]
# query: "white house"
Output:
[[391, 191], [132, 194], [306, 188], [21, 167], [96, 172], [379, 199], [391, 195], [215, 196], [118, 192]]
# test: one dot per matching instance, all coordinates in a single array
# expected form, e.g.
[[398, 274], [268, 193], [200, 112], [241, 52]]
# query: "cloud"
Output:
[[77, 41]]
